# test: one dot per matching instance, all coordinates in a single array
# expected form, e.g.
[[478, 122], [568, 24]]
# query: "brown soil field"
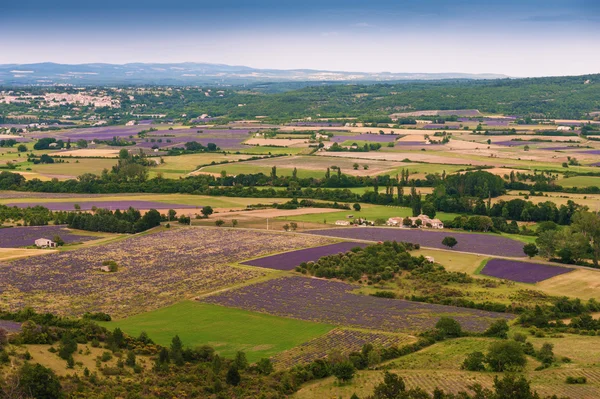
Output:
[[88, 152], [413, 156]]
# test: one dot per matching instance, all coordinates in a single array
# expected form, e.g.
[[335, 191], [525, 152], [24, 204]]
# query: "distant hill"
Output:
[[196, 73]]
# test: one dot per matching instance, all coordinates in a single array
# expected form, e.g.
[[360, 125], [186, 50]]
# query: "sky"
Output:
[[513, 37]]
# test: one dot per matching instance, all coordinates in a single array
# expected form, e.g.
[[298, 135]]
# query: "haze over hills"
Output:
[[196, 73]]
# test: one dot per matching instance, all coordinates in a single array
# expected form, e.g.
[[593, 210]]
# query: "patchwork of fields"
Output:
[[155, 270]]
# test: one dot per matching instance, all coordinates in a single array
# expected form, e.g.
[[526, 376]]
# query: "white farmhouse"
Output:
[[45, 243]]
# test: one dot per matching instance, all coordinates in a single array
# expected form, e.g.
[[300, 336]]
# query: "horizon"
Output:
[[539, 38]]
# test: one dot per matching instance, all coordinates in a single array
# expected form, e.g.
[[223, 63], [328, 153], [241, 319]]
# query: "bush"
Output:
[[344, 371], [39, 382], [576, 380]]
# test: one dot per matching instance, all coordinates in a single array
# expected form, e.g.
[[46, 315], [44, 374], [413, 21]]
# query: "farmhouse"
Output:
[[105, 269], [422, 221], [563, 128], [342, 223], [45, 243], [429, 259]]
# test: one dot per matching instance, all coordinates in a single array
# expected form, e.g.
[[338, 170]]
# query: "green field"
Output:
[[580, 181], [249, 168], [228, 330], [370, 212]]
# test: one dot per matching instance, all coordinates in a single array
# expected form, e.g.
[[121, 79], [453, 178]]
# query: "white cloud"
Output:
[[363, 25]]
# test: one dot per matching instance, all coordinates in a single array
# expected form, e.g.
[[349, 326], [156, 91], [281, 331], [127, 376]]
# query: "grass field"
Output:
[[176, 166], [227, 330], [580, 181], [248, 168], [70, 168]]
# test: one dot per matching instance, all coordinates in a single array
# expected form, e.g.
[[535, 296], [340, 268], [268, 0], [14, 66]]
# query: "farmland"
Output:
[[228, 330], [333, 303], [111, 205], [166, 271], [25, 236], [523, 272], [488, 244], [289, 260]]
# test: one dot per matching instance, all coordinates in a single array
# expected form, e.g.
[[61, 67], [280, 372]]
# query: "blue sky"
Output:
[[518, 38]]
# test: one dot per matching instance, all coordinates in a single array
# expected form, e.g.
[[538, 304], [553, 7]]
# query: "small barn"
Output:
[[45, 243]]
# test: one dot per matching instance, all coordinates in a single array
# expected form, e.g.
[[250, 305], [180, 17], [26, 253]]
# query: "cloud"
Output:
[[561, 18], [363, 25], [329, 34]]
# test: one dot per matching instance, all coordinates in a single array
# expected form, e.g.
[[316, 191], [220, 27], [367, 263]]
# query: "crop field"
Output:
[[344, 339], [523, 272], [176, 200], [488, 244], [225, 329], [71, 168], [580, 283], [289, 260], [14, 237], [332, 302], [111, 205], [155, 270], [176, 166], [89, 152]]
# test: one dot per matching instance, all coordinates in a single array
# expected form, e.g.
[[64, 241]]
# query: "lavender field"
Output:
[[487, 244], [375, 138], [112, 205], [155, 270], [522, 272], [289, 260], [10, 326], [332, 302], [14, 237]]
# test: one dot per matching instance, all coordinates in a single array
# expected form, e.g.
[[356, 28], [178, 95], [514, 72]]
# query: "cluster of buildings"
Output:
[[421, 221]]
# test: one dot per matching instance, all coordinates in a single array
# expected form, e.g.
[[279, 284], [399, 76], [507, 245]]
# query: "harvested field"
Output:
[[14, 237], [322, 163], [112, 205], [522, 272], [411, 156], [88, 152], [289, 260], [278, 142], [488, 244], [155, 270], [332, 302], [346, 340]]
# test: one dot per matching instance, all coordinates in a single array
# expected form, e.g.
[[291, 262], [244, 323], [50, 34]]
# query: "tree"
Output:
[[130, 361], [293, 226], [449, 327], [531, 250], [233, 376], [171, 214], [22, 148], [59, 241], [546, 353], [264, 366], [498, 329], [219, 222], [474, 362], [356, 207], [177, 351], [506, 356], [449, 242], [588, 224], [355, 166], [207, 211], [234, 222], [38, 381], [286, 227], [240, 360], [391, 388], [344, 371], [429, 209]]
